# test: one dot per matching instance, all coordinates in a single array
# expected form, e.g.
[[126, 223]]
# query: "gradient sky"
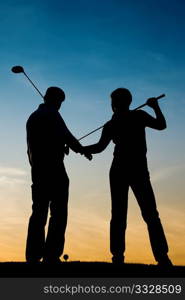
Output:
[[89, 48]]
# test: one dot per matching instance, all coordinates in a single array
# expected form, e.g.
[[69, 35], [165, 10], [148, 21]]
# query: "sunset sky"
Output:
[[89, 48]]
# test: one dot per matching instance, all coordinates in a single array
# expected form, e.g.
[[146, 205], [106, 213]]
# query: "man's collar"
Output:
[[44, 106]]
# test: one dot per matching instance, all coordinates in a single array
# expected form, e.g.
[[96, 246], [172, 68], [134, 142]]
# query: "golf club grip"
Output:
[[161, 96], [157, 98]]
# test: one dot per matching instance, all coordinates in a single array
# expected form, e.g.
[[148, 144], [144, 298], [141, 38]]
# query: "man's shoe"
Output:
[[165, 262], [52, 260], [33, 261], [118, 260]]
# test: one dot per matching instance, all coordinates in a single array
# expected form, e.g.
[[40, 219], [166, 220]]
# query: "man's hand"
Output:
[[152, 102], [66, 150], [87, 154]]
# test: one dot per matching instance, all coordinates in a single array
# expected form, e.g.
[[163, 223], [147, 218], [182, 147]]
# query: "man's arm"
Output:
[[159, 122], [103, 142], [73, 143]]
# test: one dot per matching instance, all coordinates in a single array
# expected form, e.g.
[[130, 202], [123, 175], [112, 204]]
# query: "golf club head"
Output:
[[17, 69]]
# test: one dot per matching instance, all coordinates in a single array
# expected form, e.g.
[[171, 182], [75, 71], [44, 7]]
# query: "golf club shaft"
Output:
[[33, 84], [90, 133], [157, 98]]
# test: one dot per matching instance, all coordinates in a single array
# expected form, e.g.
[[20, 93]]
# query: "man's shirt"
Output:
[[127, 131], [47, 134]]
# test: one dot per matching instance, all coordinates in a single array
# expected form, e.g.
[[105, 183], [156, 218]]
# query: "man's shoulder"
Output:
[[32, 117], [138, 112], [42, 113], [36, 118], [108, 124], [141, 114]]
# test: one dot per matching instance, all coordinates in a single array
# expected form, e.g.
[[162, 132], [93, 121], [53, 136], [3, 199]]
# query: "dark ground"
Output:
[[87, 269]]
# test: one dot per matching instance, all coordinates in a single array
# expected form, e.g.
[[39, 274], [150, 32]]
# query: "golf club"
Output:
[[19, 69], [157, 98]]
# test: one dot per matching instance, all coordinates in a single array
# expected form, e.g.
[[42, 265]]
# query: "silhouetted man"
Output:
[[129, 169], [47, 135]]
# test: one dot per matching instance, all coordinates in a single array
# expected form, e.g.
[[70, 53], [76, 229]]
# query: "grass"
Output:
[[87, 269]]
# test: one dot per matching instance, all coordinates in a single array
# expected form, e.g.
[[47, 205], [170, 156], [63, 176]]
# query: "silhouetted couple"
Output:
[[47, 135]]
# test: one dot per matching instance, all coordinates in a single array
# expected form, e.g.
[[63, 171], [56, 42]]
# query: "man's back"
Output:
[[128, 134], [45, 135]]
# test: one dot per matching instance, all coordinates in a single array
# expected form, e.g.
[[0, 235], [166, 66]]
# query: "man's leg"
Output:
[[36, 228], [58, 219], [119, 198], [144, 194]]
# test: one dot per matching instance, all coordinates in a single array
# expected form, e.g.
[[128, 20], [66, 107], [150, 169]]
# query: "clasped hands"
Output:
[[83, 151], [86, 153]]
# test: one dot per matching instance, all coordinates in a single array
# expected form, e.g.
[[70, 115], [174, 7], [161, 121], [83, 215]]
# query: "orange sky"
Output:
[[87, 235]]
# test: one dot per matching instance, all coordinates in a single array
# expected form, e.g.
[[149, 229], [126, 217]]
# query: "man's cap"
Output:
[[54, 92], [121, 93]]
